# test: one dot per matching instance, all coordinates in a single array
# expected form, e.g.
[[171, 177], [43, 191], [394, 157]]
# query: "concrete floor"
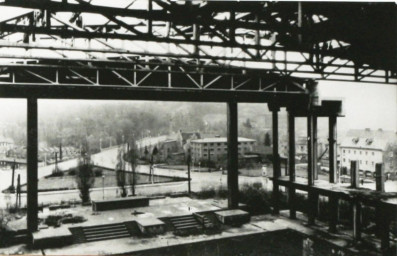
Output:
[[172, 207]]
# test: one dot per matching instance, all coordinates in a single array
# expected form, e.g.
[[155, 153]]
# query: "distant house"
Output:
[[368, 147], [215, 148], [5, 145], [183, 137]]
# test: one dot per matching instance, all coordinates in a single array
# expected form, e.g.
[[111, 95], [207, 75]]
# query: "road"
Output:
[[107, 158]]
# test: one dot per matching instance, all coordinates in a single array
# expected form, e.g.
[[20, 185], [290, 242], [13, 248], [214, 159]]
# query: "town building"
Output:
[[368, 147], [215, 148], [5, 145]]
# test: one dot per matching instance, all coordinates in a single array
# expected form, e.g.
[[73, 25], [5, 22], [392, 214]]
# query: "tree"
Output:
[[120, 171], [132, 158], [247, 124], [267, 141], [85, 177]]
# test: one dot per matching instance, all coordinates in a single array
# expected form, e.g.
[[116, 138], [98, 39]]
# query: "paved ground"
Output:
[[166, 207]]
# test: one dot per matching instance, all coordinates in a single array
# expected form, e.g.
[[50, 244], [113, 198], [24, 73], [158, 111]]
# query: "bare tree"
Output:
[[85, 177], [120, 171], [133, 156]]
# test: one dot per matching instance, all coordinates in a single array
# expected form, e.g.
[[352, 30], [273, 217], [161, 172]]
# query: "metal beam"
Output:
[[71, 91]]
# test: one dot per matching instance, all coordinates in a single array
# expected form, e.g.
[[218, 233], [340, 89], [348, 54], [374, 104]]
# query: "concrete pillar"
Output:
[[354, 174], [332, 149], [276, 160], [291, 164], [333, 207], [383, 227], [380, 178], [356, 205], [312, 207], [32, 150], [232, 155]]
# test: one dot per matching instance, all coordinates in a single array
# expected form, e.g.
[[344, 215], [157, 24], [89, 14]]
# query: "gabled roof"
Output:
[[369, 139]]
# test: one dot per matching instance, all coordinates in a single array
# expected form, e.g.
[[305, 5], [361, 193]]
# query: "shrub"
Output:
[[85, 179], [98, 172], [256, 198], [73, 219], [72, 172], [55, 173]]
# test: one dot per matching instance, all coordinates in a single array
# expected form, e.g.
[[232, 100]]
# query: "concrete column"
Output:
[[333, 207], [356, 220], [32, 150], [380, 178], [232, 155], [332, 149], [383, 226], [354, 174], [291, 164], [312, 207], [276, 161]]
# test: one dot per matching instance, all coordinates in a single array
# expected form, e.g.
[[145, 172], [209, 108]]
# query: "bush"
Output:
[[55, 173], [85, 178], [73, 219], [256, 198], [72, 172], [98, 172]]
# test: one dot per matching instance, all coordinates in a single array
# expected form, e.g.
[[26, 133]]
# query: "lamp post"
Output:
[[103, 187]]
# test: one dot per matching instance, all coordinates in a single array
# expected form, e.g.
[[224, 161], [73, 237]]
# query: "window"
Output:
[[349, 151], [366, 153], [211, 144], [354, 152], [373, 163], [373, 153], [219, 144], [205, 155], [360, 152], [205, 144], [344, 151], [344, 159]]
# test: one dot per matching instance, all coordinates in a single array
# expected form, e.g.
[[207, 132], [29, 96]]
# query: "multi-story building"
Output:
[[368, 147], [217, 148]]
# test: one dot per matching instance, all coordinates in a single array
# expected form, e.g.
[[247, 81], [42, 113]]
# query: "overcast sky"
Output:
[[365, 105]]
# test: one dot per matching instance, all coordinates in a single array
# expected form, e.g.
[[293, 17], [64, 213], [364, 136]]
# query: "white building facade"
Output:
[[365, 146], [217, 147]]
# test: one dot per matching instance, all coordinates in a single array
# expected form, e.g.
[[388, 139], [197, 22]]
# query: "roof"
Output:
[[7, 140], [221, 139], [361, 33], [369, 139], [188, 135], [150, 141]]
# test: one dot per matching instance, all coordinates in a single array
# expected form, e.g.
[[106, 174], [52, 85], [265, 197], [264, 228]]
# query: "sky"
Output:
[[365, 105]]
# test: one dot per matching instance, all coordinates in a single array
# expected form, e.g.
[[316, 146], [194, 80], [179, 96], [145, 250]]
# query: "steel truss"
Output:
[[281, 39]]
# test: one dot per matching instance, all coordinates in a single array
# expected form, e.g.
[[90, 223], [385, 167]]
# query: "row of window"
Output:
[[361, 161], [224, 143], [360, 152]]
